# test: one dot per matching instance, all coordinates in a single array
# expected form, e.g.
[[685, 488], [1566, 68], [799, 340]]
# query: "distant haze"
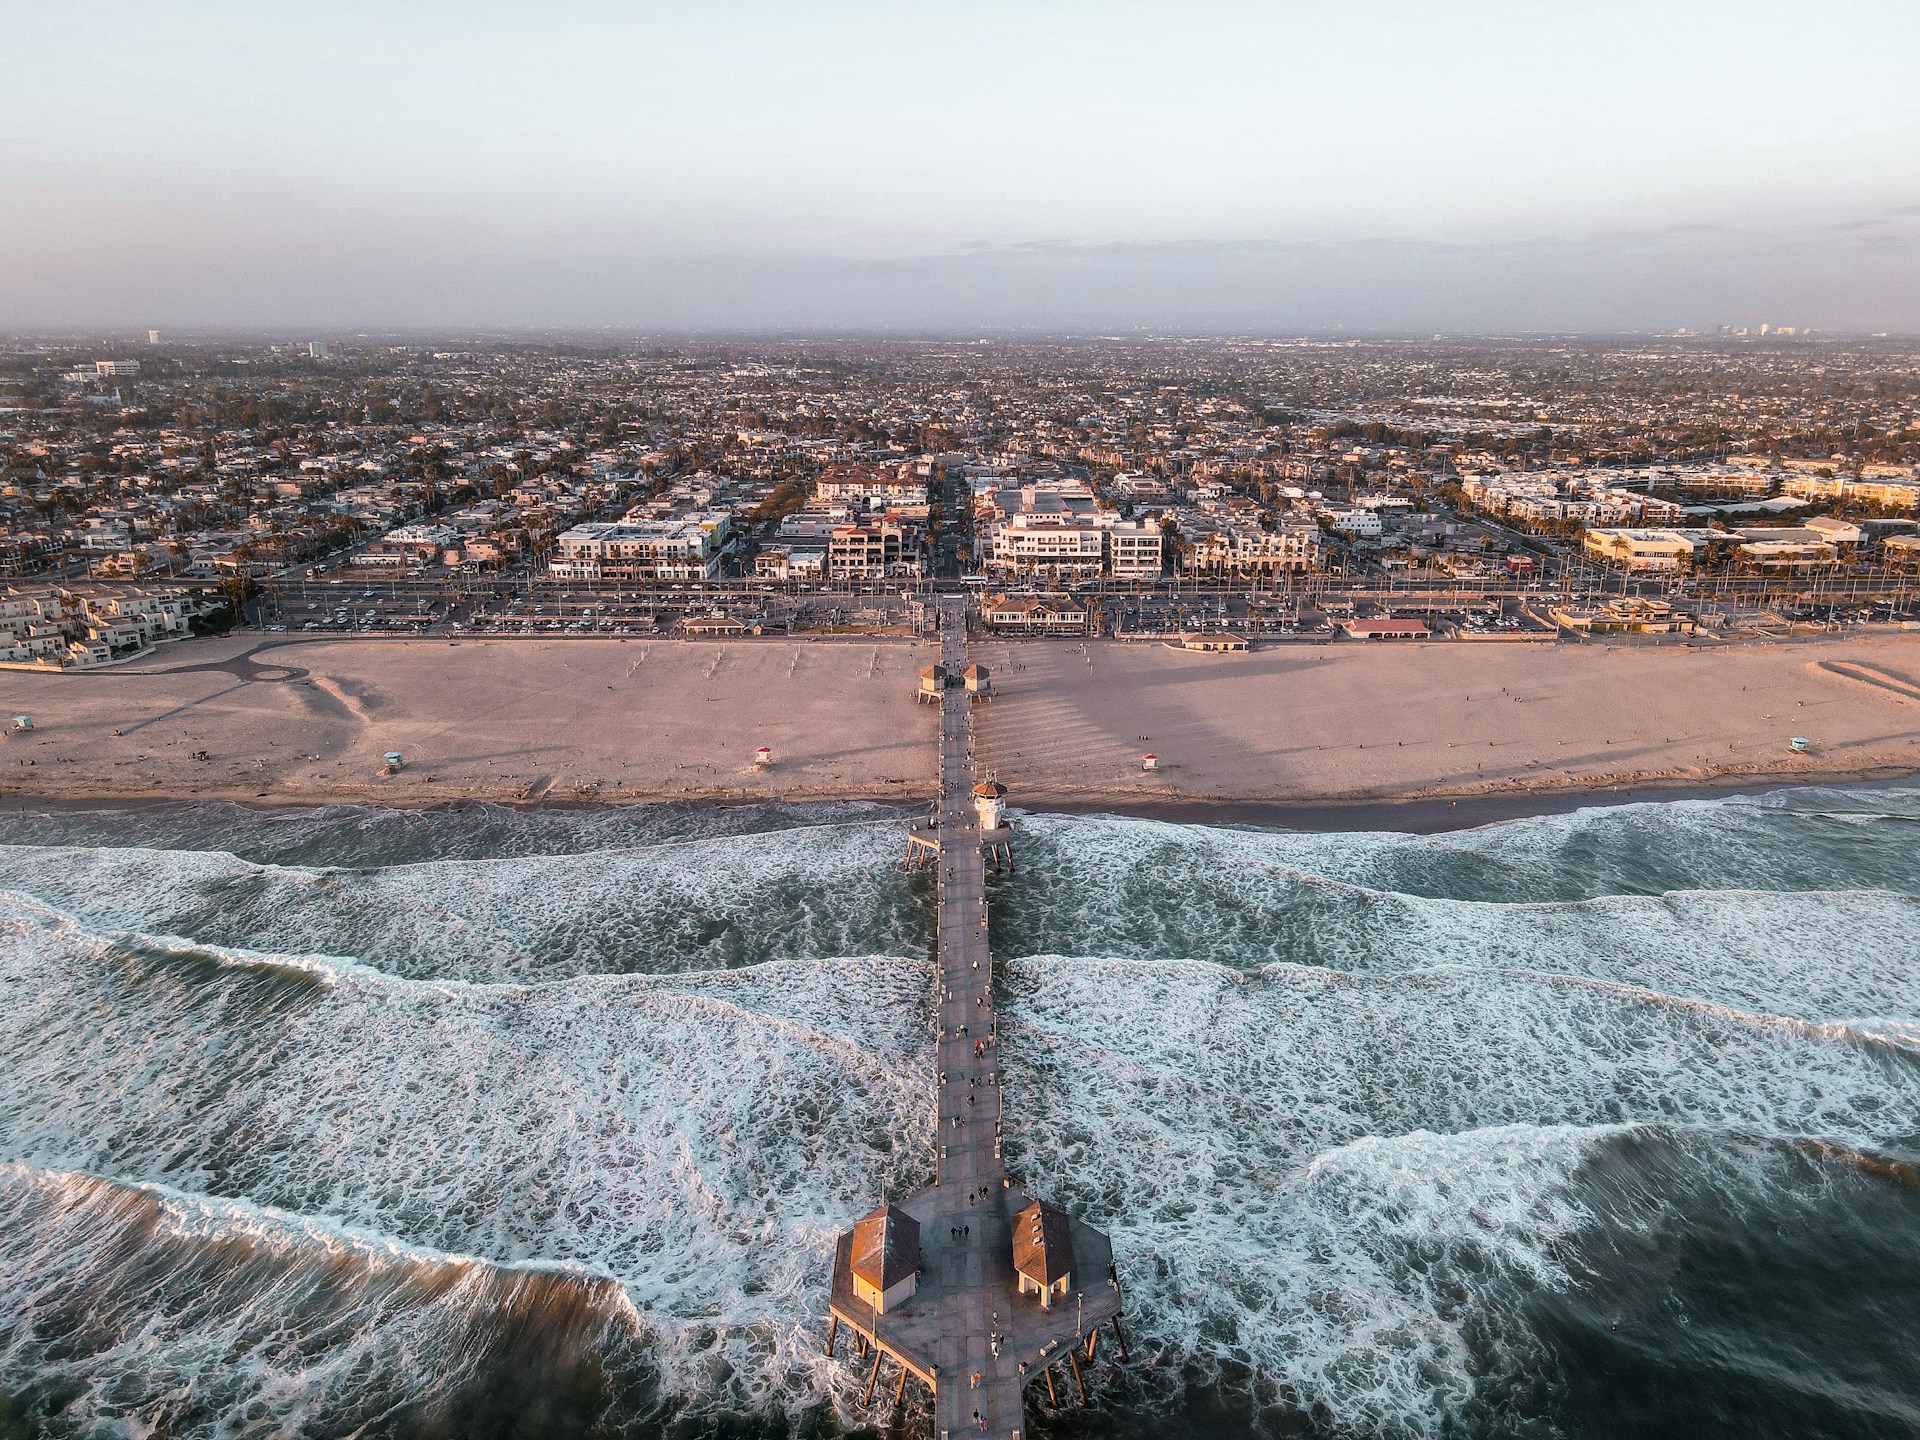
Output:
[[1297, 164]]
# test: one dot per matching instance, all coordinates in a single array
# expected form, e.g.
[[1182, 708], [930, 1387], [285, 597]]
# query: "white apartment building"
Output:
[[1361, 524], [873, 551], [867, 484], [1887, 494], [1814, 487], [790, 562], [1057, 544], [1134, 551], [66, 628], [1581, 498], [683, 548], [1640, 549], [1055, 526]]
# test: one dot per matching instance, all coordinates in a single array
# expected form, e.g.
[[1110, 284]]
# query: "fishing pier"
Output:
[[971, 1286]]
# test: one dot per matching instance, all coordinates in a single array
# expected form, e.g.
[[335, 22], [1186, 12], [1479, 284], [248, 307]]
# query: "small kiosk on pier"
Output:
[[1046, 1281]]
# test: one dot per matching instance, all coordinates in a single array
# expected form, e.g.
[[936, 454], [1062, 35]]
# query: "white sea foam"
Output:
[[1814, 840], [363, 835], [1220, 895], [152, 1311], [1340, 1182], [1335, 1151], [820, 890], [702, 1140]]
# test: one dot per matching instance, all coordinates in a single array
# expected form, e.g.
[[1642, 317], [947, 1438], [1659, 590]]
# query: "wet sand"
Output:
[[1239, 736]]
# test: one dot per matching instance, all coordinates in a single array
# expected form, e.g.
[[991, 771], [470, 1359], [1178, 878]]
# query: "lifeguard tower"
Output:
[[996, 835], [924, 837]]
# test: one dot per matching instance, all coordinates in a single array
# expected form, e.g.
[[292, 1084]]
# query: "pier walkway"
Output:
[[966, 1330]]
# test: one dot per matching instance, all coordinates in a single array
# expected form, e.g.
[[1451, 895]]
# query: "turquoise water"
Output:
[[349, 1121]]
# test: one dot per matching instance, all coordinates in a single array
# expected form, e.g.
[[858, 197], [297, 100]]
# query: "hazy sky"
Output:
[[1294, 164]]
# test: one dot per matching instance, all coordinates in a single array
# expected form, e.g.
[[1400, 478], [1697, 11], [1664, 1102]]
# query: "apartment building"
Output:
[[683, 548], [868, 485], [1640, 549], [1883, 491], [1579, 498], [64, 628], [1134, 551], [1240, 550], [873, 550], [1058, 545], [1353, 521]]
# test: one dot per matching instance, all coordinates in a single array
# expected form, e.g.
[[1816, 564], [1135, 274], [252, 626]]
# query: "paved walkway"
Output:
[[967, 1330], [969, 1163]]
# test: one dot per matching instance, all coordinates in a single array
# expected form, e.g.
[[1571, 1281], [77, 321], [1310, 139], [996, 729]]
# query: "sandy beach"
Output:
[[499, 719], [309, 721], [1348, 723]]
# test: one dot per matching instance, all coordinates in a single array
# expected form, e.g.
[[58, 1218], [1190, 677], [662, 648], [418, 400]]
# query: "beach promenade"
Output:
[[967, 1331]]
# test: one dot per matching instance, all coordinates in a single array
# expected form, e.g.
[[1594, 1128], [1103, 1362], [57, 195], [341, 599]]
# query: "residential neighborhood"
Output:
[[1080, 486]]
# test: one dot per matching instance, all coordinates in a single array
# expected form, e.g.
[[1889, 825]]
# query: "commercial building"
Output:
[[1624, 615], [886, 1258], [1788, 554], [1037, 615], [1392, 627]]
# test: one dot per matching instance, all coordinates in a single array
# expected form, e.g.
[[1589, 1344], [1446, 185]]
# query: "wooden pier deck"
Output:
[[967, 1332]]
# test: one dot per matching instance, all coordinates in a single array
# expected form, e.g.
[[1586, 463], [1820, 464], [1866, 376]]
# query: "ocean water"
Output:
[[350, 1122]]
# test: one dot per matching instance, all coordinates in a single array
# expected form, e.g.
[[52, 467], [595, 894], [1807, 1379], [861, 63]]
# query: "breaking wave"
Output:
[[1395, 1135], [678, 905], [140, 1310]]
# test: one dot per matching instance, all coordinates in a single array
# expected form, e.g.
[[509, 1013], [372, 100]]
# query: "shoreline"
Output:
[[1430, 814], [1412, 815]]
